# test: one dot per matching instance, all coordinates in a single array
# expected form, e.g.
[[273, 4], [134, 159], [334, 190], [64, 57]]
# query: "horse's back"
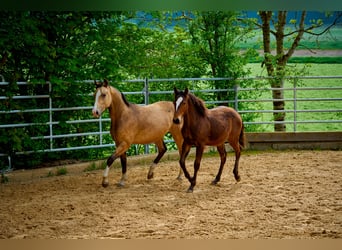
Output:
[[226, 122], [225, 113]]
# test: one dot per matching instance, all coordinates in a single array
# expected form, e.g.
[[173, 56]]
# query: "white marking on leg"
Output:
[[105, 177], [178, 102], [123, 179], [106, 171]]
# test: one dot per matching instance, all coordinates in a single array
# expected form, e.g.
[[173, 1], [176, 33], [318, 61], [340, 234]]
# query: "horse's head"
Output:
[[181, 104], [103, 98]]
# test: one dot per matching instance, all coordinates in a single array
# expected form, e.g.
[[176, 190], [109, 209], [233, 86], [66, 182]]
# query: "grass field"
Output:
[[329, 40], [314, 70]]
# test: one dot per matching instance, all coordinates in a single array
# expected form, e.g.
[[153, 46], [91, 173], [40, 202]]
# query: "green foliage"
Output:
[[65, 47], [61, 171], [93, 166]]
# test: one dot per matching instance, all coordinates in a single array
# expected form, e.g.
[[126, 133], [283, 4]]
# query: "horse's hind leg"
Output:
[[237, 149], [223, 155], [161, 151], [123, 160]]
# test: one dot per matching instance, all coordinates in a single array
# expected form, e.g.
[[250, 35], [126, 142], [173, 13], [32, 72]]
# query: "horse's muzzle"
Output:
[[176, 120], [96, 113]]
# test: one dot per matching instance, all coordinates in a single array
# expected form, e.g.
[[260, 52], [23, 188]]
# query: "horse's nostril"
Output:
[[176, 121]]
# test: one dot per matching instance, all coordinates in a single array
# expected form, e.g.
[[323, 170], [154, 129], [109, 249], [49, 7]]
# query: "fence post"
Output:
[[147, 100], [50, 115], [295, 105], [100, 128], [236, 99]]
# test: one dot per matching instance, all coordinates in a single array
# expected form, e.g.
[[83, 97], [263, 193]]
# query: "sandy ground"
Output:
[[282, 194]]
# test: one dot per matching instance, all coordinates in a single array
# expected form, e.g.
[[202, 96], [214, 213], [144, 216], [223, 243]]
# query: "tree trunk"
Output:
[[275, 65], [270, 63], [278, 104]]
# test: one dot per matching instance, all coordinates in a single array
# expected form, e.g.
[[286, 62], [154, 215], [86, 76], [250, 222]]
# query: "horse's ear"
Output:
[[186, 91], [175, 90], [97, 84], [105, 83]]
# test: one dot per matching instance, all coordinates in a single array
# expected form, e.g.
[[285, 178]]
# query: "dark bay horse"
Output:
[[134, 124], [202, 126]]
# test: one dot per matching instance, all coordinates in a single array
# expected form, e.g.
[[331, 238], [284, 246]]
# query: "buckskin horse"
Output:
[[202, 126], [134, 124]]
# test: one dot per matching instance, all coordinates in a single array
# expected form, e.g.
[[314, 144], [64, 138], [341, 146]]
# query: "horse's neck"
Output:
[[118, 105], [193, 118]]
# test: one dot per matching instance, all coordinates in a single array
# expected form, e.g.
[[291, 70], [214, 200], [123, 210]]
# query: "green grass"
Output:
[[314, 70], [307, 59], [327, 41], [61, 171], [93, 166]]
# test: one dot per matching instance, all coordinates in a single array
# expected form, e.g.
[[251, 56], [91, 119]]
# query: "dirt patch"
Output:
[[292, 194]]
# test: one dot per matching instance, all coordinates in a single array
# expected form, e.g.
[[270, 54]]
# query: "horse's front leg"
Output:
[[178, 138], [185, 151], [197, 163], [120, 150], [161, 151], [110, 161]]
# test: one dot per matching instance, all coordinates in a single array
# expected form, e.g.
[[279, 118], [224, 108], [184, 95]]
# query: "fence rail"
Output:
[[146, 91]]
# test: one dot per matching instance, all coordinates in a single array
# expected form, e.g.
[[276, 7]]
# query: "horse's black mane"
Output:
[[125, 100], [198, 104]]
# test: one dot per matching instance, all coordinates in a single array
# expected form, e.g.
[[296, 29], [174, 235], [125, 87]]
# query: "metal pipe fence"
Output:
[[148, 88]]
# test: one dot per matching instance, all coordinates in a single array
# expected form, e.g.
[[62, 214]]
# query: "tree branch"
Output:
[[327, 28], [298, 37]]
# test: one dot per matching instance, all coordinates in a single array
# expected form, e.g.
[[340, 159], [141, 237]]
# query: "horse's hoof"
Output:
[[237, 178], [190, 190], [150, 176], [105, 184], [120, 184], [214, 182], [179, 178]]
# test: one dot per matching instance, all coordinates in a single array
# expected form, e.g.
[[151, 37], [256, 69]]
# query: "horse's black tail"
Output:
[[242, 138]]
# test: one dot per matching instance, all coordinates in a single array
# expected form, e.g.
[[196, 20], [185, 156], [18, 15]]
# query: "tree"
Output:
[[215, 35], [59, 47], [276, 64]]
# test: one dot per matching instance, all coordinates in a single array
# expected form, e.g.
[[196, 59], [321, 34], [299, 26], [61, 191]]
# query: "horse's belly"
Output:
[[149, 136]]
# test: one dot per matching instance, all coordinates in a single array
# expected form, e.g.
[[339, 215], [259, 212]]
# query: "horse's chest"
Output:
[[191, 137]]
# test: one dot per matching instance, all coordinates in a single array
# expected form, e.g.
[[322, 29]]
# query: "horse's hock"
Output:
[[295, 140]]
